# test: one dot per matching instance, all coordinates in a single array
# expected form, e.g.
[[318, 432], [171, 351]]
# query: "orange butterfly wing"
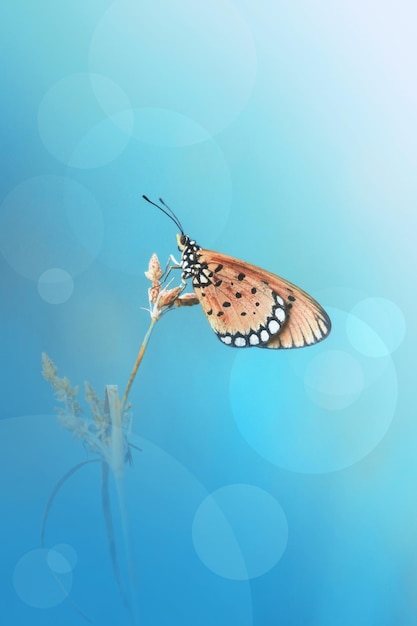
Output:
[[248, 306]]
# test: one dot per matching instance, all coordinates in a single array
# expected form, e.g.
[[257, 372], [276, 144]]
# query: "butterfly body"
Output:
[[247, 306]]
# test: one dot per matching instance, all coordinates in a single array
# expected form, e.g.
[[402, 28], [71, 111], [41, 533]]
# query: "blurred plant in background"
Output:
[[106, 429], [94, 430]]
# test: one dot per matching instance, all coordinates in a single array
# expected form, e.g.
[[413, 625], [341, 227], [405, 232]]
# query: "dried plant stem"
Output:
[[118, 453], [108, 520], [128, 545], [117, 443], [137, 363]]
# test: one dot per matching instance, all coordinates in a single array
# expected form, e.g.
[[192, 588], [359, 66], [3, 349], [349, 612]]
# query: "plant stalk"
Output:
[[136, 365]]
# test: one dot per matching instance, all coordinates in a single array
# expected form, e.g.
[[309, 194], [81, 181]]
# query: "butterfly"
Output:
[[245, 305]]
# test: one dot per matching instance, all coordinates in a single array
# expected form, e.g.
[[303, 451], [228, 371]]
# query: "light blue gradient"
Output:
[[284, 134]]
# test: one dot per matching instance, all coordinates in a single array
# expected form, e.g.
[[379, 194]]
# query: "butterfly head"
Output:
[[182, 241], [191, 266], [185, 244]]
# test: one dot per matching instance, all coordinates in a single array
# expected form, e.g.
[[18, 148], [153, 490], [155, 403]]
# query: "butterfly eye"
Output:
[[182, 241]]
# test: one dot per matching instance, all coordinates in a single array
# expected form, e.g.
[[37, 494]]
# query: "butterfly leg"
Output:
[[172, 264], [188, 299]]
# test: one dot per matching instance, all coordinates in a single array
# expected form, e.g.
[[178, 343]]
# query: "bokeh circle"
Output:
[[386, 321], [318, 409], [163, 127], [240, 532], [324, 384], [199, 55], [50, 222], [35, 582], [62, 558], [85, 120], [55, 286]]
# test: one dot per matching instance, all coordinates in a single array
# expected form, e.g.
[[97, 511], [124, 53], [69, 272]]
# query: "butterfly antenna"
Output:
[[170, 213], [173, 215]]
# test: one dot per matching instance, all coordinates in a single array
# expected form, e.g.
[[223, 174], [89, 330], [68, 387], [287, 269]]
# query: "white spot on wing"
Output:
[[264, 335], [226, 339], [280, 314], [254, 339], [240, 342], [274, 326]]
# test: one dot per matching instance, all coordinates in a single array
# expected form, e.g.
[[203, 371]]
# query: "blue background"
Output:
[[272, 487]]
